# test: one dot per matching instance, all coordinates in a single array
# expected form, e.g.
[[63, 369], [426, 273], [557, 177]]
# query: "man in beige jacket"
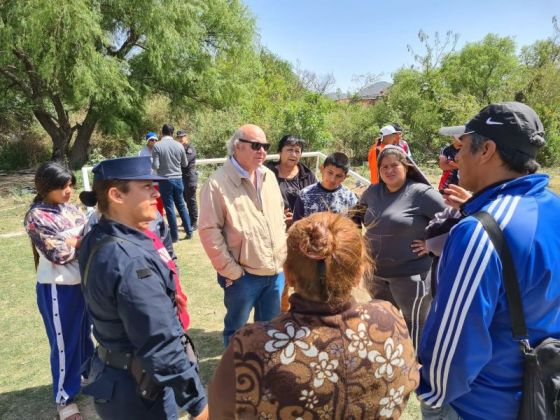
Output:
[[242, 229]]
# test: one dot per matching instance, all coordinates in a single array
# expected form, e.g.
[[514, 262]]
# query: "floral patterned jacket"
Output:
[[318, 362], [48, 226]]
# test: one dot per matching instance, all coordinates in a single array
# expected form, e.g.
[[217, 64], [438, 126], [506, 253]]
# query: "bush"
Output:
[[211, 130], [109, 146], [353, 127], [23, 151], [550, 154]]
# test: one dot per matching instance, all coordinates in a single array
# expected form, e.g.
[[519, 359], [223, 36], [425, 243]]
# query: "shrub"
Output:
[[24, 150]]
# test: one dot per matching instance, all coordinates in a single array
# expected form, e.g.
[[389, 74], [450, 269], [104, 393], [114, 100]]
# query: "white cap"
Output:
[[387, 131], [454, 131]]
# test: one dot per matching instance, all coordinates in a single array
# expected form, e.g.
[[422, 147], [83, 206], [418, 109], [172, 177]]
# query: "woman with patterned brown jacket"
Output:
[[328, 357]]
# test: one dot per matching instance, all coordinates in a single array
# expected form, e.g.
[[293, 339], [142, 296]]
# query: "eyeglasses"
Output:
[[255, 145]]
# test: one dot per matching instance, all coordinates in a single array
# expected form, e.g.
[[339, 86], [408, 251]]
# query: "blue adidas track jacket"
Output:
[[468, 356]]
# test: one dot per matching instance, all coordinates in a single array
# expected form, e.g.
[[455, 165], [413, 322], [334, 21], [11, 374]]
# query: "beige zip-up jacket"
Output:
[[238, 231]]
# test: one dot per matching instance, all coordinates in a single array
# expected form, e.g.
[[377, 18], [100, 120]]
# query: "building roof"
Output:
[[335, 96], [373, 91]]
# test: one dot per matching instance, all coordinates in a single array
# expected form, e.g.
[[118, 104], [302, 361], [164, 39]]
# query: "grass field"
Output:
[[25, 383]]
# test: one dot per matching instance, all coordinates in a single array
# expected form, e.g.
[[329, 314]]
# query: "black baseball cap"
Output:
[[511, 124], [181, 133]]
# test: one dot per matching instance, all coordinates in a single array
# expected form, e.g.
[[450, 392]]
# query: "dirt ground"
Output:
[[17, 182]]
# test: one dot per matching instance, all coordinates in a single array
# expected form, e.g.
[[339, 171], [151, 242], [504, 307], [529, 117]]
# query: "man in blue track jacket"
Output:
[[471, 366]]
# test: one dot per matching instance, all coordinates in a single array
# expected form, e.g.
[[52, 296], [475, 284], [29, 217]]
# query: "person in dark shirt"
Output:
[[329, 194], [292, 177], [190, 178], [291, 174], [448, 165], [144, 366], [168, 159]]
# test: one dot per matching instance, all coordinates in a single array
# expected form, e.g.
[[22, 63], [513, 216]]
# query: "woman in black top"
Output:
[[292, 175]]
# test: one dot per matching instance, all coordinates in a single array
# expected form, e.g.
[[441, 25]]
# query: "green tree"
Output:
[[435, 49], [353, 127], [307, 118], [77, 63], [448, 87], [486, 69], [281, 103], [276, 86], [420, 97], [542, 89], [273, 86]]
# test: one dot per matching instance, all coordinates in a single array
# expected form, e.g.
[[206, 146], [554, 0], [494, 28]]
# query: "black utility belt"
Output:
[[146, 386], [115, 358]]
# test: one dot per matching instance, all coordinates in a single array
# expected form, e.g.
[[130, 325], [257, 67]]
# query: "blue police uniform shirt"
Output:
[[129, 296]]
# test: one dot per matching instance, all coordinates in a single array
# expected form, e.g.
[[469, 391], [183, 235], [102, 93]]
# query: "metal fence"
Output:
[[319, 157]]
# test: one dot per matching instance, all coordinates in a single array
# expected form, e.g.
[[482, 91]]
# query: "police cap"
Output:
[[126, 168]]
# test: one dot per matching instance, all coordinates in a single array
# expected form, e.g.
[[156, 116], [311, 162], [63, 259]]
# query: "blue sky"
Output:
[[353, 37]]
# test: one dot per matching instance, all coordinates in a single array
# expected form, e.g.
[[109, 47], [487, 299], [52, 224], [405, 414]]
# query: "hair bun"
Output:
[[318, 242], [88, 198]]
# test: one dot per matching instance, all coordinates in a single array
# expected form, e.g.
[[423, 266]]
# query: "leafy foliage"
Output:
[[105, 56], [277, 102], [460, 83], [482, 69], [97, 75]]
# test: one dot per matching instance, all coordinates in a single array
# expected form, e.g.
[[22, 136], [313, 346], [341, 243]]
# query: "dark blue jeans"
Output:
[[190, 200], [261, 292], [115, 397], [172, 195]]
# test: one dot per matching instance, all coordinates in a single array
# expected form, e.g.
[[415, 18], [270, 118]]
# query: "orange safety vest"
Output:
[[372, 161]]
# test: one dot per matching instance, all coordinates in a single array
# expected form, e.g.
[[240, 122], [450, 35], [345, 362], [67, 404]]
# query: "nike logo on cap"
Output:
[[490, 122]]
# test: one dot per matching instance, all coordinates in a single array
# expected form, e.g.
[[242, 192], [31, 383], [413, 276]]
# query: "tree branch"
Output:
[[47, 121], [129, 43], [17, 81], [34, 79], [139, 45], [89, 115], [62, 119]]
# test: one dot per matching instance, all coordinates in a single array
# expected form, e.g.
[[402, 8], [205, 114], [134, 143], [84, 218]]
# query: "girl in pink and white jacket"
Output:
[[55, 228]]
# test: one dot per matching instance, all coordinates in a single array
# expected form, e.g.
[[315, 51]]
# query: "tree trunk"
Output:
[[79, 152], [60, 146], [59, 136]]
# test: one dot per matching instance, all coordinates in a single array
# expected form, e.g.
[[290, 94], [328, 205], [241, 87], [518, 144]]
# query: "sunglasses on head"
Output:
[[255, 145]]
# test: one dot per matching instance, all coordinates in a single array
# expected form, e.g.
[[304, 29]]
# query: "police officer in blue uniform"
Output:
[[144, 366]]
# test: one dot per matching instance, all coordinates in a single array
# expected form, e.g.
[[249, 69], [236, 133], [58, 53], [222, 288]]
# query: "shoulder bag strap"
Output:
[[511, 284]]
